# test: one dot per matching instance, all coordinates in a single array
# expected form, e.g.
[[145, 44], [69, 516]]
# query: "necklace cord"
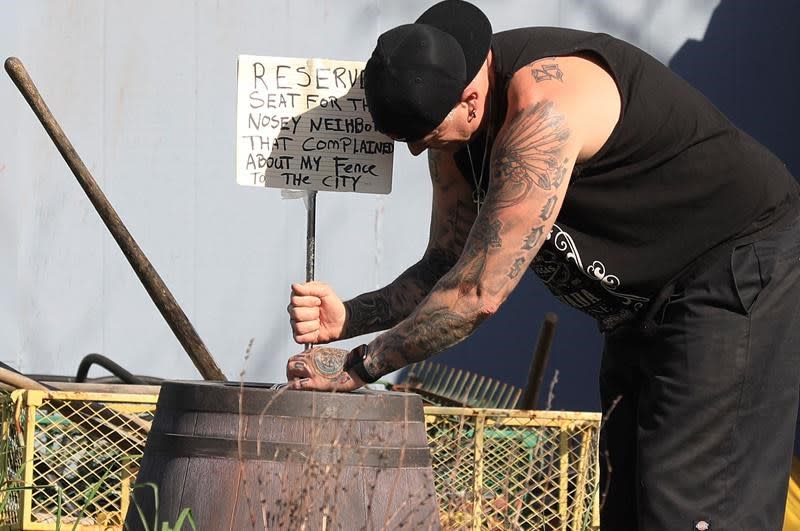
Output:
[[478, 195]]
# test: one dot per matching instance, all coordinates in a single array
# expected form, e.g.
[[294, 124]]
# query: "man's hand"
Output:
[[321, 369], [316, 313]]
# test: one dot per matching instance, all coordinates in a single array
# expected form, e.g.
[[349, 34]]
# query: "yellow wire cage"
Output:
[[68, 460], [498, 469]]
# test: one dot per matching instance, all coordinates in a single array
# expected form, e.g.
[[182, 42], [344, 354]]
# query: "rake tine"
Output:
[[451, 391], [486, 399], [430, 378], [464, 399], [424, 372], [502, 395], [473, 398], [446, 382], [515, 403], [436, 376], [508, 403]]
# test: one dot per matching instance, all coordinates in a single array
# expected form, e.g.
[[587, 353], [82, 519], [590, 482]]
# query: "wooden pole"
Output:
[[539, 361], [147, 274]]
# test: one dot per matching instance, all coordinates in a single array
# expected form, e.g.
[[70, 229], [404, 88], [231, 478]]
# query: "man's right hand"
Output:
[[316, 313]]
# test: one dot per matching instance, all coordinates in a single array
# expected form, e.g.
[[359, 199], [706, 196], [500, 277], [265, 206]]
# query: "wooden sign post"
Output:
[[303, 124]]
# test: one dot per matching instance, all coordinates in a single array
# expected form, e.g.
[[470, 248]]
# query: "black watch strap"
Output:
[[355, 363]]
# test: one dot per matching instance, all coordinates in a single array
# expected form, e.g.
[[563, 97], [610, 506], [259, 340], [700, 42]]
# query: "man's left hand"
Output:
[[321, 369]]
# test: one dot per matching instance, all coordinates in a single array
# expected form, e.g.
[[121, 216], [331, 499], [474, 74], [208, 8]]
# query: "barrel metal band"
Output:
[[379, 407], [178, 445]]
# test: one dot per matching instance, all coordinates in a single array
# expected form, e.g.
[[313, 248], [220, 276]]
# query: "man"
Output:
[[634, 199]]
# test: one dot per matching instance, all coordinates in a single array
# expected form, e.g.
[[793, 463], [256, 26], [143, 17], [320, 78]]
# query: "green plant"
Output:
[[184, 516]]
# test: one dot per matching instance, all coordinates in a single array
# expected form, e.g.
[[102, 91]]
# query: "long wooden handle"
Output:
[[20, 381], [147, 274]]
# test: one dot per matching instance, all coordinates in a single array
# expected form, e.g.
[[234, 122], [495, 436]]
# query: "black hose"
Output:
[[109, 365], [110, 379]]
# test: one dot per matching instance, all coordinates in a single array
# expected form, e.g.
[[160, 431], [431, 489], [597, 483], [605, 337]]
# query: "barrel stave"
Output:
[[256, 458]]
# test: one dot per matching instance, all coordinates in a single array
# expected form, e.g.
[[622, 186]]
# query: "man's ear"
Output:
[[470, 97]]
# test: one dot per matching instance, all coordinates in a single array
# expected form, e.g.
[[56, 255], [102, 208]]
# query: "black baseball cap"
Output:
[[418, 71]]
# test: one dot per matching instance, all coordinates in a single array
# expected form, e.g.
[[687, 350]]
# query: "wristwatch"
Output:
[[355, 362]]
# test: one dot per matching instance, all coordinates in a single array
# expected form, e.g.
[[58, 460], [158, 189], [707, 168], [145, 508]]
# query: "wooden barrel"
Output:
[[252, 457]]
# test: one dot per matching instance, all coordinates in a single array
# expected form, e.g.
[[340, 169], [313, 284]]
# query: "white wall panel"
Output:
[[149, 82], [58, 309], [146, 92], [10, 190]]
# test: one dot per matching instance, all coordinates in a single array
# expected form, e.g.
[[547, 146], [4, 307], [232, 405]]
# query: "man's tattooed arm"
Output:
[[383, 308], [451, 220], [531, 160]]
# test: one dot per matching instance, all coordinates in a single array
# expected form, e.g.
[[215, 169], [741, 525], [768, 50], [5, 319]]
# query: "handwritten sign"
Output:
[[303, 124]]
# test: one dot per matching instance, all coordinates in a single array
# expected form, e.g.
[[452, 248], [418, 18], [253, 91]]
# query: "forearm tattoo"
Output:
[[528, 158], [384, 308], [516, 267], [547, 209], [534, 238]]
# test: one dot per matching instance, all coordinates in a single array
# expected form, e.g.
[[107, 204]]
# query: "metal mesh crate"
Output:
[[72, 456], [69, 457], [515, 470]]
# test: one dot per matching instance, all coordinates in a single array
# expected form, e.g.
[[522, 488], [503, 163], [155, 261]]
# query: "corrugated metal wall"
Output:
[[146, 92]]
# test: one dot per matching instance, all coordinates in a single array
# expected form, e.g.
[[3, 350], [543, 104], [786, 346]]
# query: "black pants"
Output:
[[700, 409]]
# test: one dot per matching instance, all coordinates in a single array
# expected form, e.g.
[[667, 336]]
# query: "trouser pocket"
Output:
[[751, 268]]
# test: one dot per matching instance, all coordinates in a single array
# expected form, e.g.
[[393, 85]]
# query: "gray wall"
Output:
[[146, 92]]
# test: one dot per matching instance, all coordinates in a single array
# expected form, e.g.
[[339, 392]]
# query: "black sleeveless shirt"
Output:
[[674, 180]]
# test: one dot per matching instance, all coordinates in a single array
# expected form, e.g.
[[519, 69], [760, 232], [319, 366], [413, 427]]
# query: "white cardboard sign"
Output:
[[303, 124]]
